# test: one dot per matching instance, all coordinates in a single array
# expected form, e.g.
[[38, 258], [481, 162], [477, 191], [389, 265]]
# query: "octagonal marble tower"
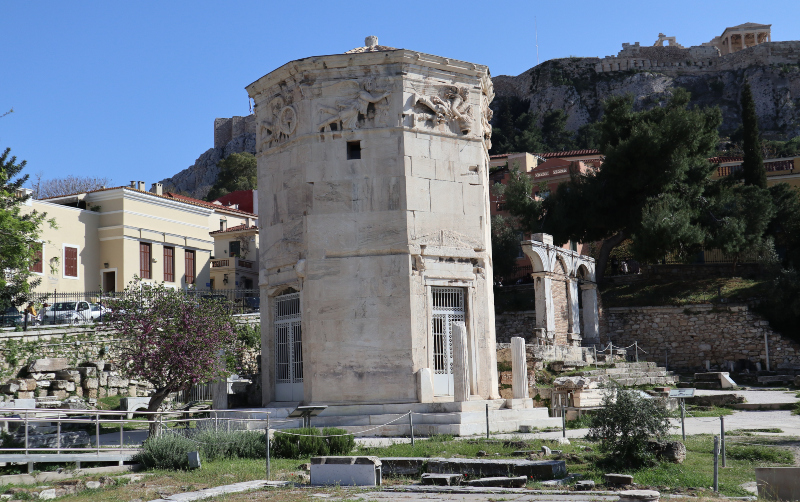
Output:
[[375, 232]]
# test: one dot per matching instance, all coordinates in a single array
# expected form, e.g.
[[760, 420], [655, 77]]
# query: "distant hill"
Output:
[[579, 85]]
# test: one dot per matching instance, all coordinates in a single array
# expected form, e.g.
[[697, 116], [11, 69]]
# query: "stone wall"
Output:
[[511, 324], [690, 336]]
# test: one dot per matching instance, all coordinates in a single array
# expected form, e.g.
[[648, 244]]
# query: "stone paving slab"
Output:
[[416, 493], [220, 490], [755, 396]]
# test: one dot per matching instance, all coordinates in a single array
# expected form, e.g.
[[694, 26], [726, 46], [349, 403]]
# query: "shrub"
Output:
[[625, 423], [311, 443], [165, 452]]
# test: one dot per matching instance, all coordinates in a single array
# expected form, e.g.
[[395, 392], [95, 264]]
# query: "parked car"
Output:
[[10, 316], [70, 312]]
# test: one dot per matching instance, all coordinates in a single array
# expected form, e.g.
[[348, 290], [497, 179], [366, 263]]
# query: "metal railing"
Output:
[[102, 445]]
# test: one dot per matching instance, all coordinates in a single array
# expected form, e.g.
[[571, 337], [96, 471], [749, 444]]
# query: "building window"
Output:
[[169, 264], [37, 265], [144, 260], [353, 150], [70, 261], [190, 273], [234, 249]]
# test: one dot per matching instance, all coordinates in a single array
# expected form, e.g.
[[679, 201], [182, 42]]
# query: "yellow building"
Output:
[[106, 237], [782, 170]]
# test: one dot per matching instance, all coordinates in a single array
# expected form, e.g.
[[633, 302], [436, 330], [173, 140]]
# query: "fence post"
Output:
[[411, 426], [26, 433], [563, 420], [58, 435], [636, 348], [97, 430], [487, 421], [683, 419], [716, 464], [722, 438], [268, 445]]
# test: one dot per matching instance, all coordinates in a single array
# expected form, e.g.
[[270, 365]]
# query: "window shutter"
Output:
[[144, 260], [169, 264], [37, 260], [71, 262], [190, 271]]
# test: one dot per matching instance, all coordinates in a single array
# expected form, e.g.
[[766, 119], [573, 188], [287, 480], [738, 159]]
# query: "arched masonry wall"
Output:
[[560, 275]]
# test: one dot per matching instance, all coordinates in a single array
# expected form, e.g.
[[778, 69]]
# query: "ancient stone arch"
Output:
[[560, 275]]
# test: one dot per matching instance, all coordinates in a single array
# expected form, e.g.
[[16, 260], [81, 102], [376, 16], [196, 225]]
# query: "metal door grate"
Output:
[[448, 307], [288, 339]]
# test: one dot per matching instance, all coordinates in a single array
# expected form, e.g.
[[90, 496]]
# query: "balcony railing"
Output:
[[236, 262]]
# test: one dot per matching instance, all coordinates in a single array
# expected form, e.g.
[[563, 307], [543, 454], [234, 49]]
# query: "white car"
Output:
[[70, 312]]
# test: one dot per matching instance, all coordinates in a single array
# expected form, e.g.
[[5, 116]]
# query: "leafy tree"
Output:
[[171, 339], [650, 188], [505, 246], [555, 134], [237, 172], [777, 149], [624, 424], [19, 233], [56, 187], [785, 225], [514, 127], [753, 165], [588, 136]]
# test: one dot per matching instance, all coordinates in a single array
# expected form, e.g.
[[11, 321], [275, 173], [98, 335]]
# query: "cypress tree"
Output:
[[753, 165]]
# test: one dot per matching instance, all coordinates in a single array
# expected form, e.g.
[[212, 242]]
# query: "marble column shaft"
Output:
[[519, 368], [461, 387]]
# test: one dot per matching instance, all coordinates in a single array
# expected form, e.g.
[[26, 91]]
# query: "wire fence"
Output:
[[87, 307]]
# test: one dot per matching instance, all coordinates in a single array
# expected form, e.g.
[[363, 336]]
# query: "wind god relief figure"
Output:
[[451, 105], [354, 103], [280, 123]]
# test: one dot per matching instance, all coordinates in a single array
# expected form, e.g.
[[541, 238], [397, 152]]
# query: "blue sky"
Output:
[[130, 90]]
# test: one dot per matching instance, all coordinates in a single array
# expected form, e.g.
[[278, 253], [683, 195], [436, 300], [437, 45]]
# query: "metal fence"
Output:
[[85, 307], [54, 436]]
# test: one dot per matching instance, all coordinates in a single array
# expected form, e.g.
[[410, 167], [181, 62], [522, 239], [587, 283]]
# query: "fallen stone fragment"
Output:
[[584, 485], [639, 496], [500, 482], [619, 479], [442, 479]]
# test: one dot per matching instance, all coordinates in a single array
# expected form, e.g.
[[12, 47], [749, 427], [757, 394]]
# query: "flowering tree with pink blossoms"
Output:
[[170, 339]]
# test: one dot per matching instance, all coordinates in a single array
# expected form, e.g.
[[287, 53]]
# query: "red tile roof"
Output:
[[244, 198], [237, 228], [550, 155]]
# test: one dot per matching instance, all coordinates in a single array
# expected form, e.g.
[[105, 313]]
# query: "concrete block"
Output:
[[24, 403], [778, 483], [346, 471]]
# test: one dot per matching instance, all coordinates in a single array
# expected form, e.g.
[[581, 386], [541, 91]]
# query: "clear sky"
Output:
[[130, 90]]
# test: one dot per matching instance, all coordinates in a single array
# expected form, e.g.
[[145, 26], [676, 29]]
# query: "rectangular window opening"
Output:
[[37, 266], [190, 270], [169, 264], [234, 249], [70, 261], [144, 260], [353, 150]]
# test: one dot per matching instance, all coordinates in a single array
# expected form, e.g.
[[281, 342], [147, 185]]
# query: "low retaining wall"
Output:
[[689, 336]]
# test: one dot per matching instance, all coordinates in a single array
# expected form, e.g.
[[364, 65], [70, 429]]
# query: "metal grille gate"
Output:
[[288, 348], [448, 307]]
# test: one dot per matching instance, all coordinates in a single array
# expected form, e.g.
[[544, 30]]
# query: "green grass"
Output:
[[749, 432], [679, 293], [109, 403], [706, 411]]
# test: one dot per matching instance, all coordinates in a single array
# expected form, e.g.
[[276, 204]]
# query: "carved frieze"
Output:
[[350, 105], [279, 123], [487, 95], [448, 105]]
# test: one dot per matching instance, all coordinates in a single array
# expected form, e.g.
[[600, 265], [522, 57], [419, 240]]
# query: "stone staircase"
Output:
[[631, 374]]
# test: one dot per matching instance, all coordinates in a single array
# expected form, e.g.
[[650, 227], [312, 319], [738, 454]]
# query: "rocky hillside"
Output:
[[197, 179], [575, 86]]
